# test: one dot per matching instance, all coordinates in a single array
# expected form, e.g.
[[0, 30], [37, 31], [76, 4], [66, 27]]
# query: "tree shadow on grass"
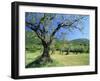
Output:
[[39, 62]]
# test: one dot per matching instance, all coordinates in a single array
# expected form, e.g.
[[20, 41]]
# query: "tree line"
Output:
[[78, 46]]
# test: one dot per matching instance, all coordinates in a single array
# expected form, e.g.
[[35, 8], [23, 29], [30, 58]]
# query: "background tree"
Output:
[[52, 46], [64, 42], [48, 25]]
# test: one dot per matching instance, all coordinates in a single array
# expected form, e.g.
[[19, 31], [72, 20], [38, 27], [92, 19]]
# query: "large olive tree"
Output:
[[47, 25]]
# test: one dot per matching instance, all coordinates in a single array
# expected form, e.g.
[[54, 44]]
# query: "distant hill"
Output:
[[80, 41]]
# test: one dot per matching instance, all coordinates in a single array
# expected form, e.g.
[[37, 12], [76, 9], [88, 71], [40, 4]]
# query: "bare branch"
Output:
[[63, 25], [71, 23]]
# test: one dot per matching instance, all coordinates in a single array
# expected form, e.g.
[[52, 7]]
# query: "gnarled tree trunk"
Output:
[[46, 56]]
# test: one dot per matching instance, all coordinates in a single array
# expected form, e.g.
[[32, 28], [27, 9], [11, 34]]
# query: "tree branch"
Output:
[[62, 25], [72, 22], [35, 29]]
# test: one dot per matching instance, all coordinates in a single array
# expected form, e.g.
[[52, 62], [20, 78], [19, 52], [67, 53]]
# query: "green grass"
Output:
[[60, 59], [30, 57], [71, 59]]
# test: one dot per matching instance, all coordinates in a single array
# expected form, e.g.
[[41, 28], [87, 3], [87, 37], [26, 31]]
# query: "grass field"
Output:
[[60, 59]]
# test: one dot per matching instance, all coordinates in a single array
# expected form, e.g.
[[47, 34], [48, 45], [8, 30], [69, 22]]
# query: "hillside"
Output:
[[80, 41]]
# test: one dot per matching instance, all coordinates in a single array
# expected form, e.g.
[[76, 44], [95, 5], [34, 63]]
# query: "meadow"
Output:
[[58, 59]]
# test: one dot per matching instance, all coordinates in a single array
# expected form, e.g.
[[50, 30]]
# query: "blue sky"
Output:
[[78, 34], [75, 34]]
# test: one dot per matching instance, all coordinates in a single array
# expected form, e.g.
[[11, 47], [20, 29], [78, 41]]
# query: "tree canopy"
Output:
[[49, 25]]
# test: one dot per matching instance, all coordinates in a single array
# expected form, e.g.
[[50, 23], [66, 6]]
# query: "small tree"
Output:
[[64, 42], [47, 25]]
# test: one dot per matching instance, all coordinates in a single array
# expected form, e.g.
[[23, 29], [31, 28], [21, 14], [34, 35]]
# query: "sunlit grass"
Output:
[[60, 59], [71, 59]]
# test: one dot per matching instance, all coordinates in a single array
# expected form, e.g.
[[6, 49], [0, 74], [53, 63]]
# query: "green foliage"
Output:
[[32, 42], [80, 44], [77, 45]]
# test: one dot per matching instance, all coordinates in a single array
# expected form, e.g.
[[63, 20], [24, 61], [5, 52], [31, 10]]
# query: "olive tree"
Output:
[[47, 25]]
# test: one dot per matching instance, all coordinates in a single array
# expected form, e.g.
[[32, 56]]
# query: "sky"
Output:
[[75, 34]]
